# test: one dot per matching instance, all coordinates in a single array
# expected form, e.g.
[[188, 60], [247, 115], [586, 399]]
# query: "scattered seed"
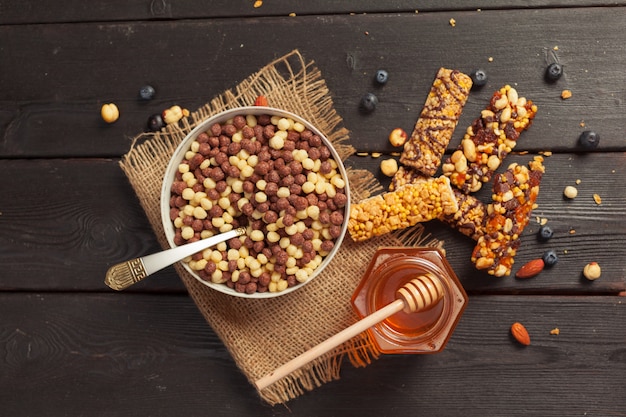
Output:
[[597, 199], [376, 154]]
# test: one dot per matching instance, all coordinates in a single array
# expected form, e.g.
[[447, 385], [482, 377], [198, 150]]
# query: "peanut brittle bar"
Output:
[[470, 218], [514, 197], [410, 204], [437, 121], [489, 139]]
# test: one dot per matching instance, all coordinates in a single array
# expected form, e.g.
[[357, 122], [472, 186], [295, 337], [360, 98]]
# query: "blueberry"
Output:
[[381, 77], [479, 77], [589, 139], [155, 122], [146, 92], [554, 71], [545, 233], [368, 103], [550, 258]]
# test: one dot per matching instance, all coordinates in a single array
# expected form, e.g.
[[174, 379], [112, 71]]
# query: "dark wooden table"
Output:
[[69, 346]]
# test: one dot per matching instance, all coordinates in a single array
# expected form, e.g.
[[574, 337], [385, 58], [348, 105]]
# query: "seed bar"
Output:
[[408, 205], [514, 195], [470, 218], [438, 119], [489, 139]]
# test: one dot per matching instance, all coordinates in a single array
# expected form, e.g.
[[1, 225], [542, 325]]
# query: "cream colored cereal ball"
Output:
[[389, 167]]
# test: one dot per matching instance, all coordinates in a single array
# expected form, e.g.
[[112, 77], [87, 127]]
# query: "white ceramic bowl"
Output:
[[178, 156]]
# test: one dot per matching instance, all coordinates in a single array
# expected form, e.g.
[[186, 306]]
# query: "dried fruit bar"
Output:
[[470, 218], [410, 204], [437, 121], [514, 197], [489, 140]]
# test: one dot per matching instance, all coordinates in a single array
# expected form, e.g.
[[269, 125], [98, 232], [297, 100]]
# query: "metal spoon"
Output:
[[125, 274]]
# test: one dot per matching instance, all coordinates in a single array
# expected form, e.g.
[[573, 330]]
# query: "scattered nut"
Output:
[[109, 112], [520, 333], [530, 269], [565, 94], [397, 137], [452, 22], [555, 331], [570, 192], [592, 271], [389, 167], [261, 101], [174, 114]]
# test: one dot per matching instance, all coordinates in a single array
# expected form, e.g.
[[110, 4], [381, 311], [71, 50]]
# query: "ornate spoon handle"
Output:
[[125, 274]]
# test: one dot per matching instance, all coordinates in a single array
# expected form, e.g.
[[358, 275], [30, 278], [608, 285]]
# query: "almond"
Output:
[[520, 333], [260, 101], [530, 269]]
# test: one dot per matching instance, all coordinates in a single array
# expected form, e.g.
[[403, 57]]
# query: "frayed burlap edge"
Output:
[[263, 334]]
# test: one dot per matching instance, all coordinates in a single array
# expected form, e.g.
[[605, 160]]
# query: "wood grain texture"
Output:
[[125, 354], [46, 11], [63, 223], [51, 107]]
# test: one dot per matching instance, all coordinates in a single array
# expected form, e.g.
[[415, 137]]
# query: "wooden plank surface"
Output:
[[124, 355], [51, 107], [47, 11], [70, 346]]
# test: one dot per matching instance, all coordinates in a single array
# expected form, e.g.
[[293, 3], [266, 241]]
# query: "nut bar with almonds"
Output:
[[408, 205], [489, 140], [437, 121], [470, 218], [514, 195]]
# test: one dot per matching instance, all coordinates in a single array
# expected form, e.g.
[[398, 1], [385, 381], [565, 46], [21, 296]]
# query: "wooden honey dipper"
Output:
[[419, 294]]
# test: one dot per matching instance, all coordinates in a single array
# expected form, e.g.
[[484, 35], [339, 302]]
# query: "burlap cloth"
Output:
[[262, 334]]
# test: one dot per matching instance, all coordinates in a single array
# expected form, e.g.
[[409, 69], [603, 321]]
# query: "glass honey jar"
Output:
[[425, 331]]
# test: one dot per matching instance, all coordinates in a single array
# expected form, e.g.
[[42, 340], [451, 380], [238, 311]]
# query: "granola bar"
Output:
[[514, 195], [470, 218], [405, 175], [410, 204], [437, 121], [489, 139]]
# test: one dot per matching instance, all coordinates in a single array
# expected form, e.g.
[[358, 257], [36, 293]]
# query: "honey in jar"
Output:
[[425, 331]]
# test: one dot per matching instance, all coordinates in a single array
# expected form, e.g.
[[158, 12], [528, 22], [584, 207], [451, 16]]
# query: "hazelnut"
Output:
[[592, 271], [570, 192], [389, 167], [173, 115], [109, 112], [397, 137]]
